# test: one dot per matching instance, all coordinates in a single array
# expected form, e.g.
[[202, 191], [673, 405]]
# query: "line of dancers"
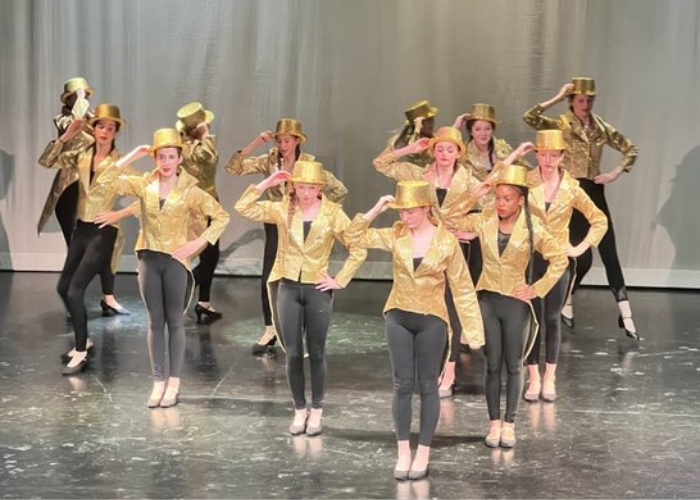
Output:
[[487, 253]]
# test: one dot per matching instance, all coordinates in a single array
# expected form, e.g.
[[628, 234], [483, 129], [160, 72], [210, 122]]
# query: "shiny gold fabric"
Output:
[[585, 148], [458, 200], [400, 140], [268, 164], [91, 201], [505, 273], [475, 161], [199, 159], [570, 196], [423, 290], [166, 229], [297, 258], [64, 177]]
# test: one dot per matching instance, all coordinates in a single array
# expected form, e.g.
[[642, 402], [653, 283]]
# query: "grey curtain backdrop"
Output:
[[347, 69]]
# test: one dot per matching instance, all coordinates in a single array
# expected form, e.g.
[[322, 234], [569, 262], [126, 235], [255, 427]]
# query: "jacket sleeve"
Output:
[[622, 144], [360, 234], [387, 163], [333, 188], [357, 254], [554, 254], [260, 211], [537, 120], [595, 217], [202, 202], [59, 155], [203, 154], [465, 300], [248, 165]]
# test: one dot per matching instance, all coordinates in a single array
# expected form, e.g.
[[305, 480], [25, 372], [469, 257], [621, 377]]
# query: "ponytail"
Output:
[[530, 237]]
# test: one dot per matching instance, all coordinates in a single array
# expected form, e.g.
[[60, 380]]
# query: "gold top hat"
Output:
[[411, 194], [515, 175], [583, 85], [550, 140], [421, 108], [191, 115], [289, 126], [308, 172], [481, 111], [72, 85], [107, 112], [166, 138], [448, 134]]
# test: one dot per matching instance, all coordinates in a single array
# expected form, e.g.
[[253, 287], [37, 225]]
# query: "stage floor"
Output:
[[621, 428]]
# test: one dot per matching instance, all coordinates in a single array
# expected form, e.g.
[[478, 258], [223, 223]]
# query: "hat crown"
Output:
[[515, 175], [583, 85], [411, 194], [166, 138], [192, 114], [108, 112], [420, 109], [448, 134], [308, 172], [549, 140], [482, 111], [74, 84], [289, 126]]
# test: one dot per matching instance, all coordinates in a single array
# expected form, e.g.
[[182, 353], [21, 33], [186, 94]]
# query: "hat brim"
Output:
[[435, 140], [398, 206], [493, 121], [307, 181], [96, 119], [302, 137], [154, 150], [65, 95]]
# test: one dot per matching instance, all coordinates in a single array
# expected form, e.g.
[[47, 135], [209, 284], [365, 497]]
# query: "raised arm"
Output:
[[537, 120], [360, 234], [242, 164], [387, 162], [595, 217], [262, 211]]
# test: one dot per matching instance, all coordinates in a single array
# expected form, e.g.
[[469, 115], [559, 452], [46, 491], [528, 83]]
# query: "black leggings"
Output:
[[204, 272], [66, 214], [506, 326], [548, 313], [579, 227], [89, 251], [269, 254], [416, 348], [303, 309]]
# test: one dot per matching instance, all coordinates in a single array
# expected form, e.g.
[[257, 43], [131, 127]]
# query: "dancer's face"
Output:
[[167, 161], [445, 153], [549, 159], [414, 217], [287, 143], [582, 105], [482, 131], [105, 132], [427, 127], [509, 199], [307, 194]]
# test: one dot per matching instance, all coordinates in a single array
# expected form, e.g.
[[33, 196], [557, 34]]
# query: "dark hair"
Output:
[[492, 144], [114, 141], [297, 154]]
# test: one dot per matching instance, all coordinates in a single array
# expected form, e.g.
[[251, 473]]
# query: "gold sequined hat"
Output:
[[411, 194], [191, 115], [421, 108], [166, 138], [481, 111], [515, 175], [107, 112], [308, 172], [583, 85], [548, 140], [72, 85], [289, 126], [448, 134]]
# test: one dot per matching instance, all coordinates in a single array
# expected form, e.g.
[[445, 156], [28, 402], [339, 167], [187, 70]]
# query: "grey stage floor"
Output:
[[619, 430]]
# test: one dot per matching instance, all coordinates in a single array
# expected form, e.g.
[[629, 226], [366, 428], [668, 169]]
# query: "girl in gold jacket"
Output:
[[451, 186], [289, 137], [92, 243], [168, 198], [553, 196], [427, 259], [307, 223], [509, 237]]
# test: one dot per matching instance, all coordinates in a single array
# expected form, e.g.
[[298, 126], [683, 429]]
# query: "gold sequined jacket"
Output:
[[458, 200], [570, 196], [585, 148], [199, 159], [422, 159], [506, 273], [298, 258], [166, 229], [423, 290], [268, 164]]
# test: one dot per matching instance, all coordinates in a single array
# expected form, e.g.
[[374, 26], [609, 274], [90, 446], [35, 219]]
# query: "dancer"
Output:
[[199, 159], [427, 259], [509, 237], [307, 223], [91, 246], [585, 135], [553, 196], [289, 137], [63, 197], [420, 124], [168, 196], [452, 184]]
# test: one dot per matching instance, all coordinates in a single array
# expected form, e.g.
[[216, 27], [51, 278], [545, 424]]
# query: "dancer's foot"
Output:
[[156, 394], [313, 424], [299, 423]]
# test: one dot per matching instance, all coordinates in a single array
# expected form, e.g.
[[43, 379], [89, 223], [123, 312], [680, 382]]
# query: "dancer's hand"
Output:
[[327, 282], [608, 177], [73, 129], [381, 206], [463, 235], [576, 251], [565, 90], [110, 217], [524, 148], [189, 249], [274, 180], [525, 293], [420, 145], [461, 119], [482, 189], [266, 136]]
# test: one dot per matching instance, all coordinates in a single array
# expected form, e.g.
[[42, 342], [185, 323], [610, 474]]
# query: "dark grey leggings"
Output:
[[417, 345], [163, 285], [303, 309], [506, 326]]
